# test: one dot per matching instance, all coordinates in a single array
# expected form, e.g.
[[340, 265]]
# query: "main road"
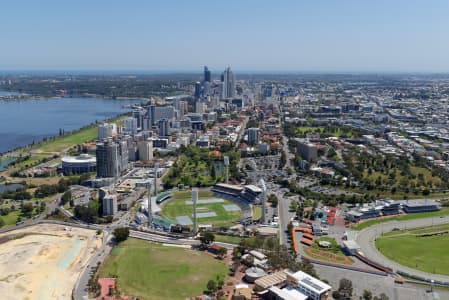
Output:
[[367, 237]]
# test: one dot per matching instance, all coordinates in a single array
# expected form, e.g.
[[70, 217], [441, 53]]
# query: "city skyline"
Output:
[[294, 37]]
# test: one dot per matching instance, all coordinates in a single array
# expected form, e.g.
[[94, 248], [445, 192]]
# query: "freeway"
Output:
[[367, 237]]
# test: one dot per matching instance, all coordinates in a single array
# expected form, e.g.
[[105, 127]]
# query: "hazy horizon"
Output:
[[250, 36]]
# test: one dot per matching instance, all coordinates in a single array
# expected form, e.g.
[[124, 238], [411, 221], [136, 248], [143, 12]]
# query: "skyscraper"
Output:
[[197, 92], [207, 74], [228, 83], [107, 154]]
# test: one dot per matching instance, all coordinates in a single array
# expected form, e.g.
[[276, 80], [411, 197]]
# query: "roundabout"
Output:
[[408, 255]]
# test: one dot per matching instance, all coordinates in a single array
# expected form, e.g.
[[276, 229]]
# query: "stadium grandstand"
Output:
[[161, 197]]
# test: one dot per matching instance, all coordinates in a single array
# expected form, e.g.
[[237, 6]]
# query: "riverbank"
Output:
[[34, 154]]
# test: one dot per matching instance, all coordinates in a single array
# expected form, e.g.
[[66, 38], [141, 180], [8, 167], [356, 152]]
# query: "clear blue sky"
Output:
[[259, 35]]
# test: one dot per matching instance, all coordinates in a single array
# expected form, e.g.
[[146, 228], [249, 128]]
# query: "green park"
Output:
[[424, 249], [153, 271]]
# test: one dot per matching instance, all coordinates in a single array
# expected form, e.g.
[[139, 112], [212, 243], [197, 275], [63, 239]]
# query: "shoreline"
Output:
[[10, 154]]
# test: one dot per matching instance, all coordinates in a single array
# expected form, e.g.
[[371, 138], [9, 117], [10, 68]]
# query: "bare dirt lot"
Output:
[[44, 261]]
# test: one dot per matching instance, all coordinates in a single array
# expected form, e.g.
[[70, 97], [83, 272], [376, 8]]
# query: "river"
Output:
[[25, 121]]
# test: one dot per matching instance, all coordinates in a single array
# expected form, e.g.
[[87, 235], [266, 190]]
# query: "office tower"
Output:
[[156, 113], [146, 123], [123, 156], [107, 154], [206, 89], [109, 205], [130, 125], [145, 149], [150, 115], [106, 131], [139, 115], [197, 92], [253, 136], [207, 74], [199, 107], [163, 125], [228, 83]]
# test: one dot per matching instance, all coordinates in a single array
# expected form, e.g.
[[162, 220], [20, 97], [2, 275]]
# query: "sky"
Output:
[[248, 35]]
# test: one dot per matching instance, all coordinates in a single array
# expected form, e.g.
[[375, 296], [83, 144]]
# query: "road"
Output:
[[367, 237], [284, 218], [80, 291], [376, 284]]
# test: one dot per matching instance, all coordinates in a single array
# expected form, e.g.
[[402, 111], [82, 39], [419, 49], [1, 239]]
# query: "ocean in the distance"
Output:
[[25, 121]]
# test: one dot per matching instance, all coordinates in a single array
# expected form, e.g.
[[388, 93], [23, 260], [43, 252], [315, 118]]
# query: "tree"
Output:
[[211, 286], [293, 206], [381, 297], [345, 287], [121, 234], [283, 160], [222, 252], [27, 209], [367, 295], [66, 197], [273, 199], [207, 237]]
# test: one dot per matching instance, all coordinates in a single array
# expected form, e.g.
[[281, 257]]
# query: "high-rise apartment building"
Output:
[[107, 154], [145, 150], [130, 125], [106, 131]]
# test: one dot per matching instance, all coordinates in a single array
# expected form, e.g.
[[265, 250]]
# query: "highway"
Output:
[[367, 237]]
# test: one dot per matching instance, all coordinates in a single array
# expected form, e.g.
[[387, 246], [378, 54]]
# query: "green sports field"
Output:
[[428, 254], [177, 207], [155, 272], [443, 212]]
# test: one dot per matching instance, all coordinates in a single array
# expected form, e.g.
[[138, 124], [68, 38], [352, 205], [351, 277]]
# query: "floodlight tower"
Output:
[[194, 201], [264, 199], [156, 167], [150, 209], [226, 163]]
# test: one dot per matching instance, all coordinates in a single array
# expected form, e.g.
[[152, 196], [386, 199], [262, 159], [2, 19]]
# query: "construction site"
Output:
[[44, 261]]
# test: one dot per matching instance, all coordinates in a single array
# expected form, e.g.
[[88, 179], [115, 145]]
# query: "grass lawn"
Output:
[[176, 207], [155, 272], [428, 254], [11, 218], [332, 254], [301, 130], [228, 239], [257, 212], [60, 144], [443, 212]]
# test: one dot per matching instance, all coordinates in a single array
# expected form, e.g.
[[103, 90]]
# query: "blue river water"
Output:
[[25, 121]]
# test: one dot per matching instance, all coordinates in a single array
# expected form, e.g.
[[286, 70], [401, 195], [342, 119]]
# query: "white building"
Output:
[[301, 286], [145, 149], [109, 205], [106, 130]]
